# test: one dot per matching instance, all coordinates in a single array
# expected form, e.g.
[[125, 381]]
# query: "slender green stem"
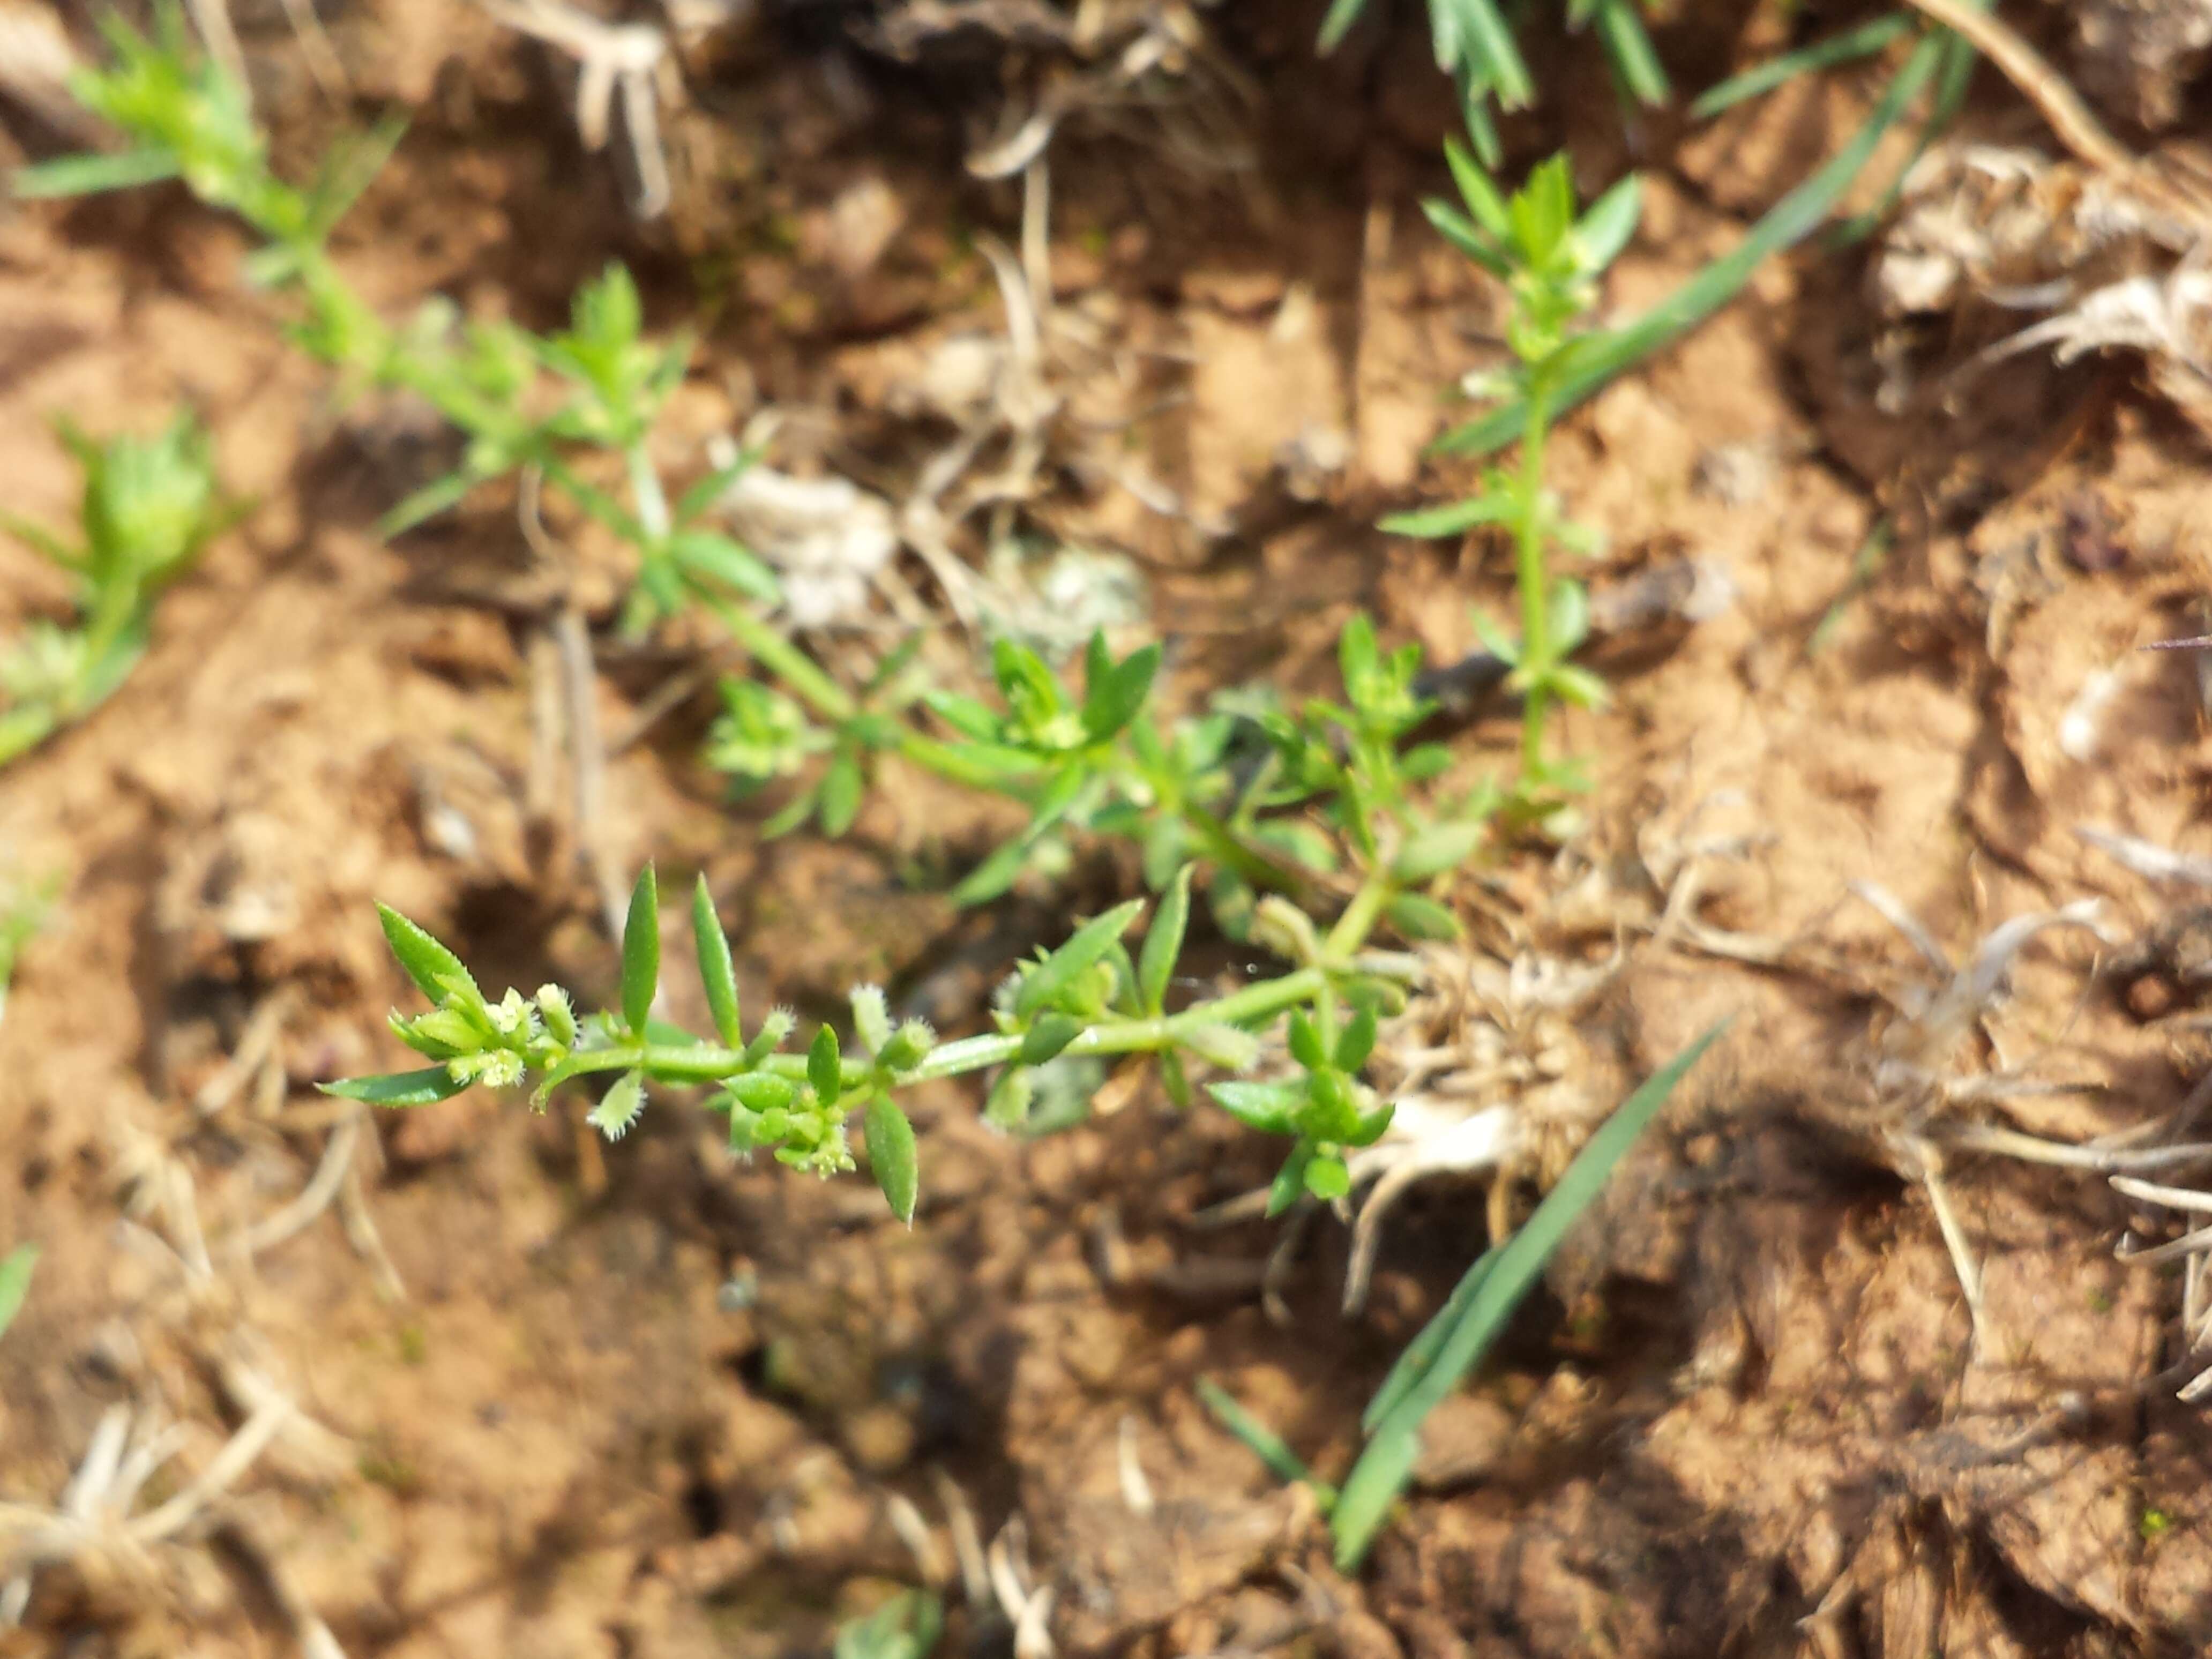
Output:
[[787, 662], [708, 1063], [1358, 920], [1529, 571], [645, 489]]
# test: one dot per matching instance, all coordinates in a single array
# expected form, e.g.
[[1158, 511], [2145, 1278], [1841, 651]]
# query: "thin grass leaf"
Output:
[[15, 1281], [640, 971], [1789, 221], [1262, 1441], [1490, 47], [717, 973], [426, 503], [1471, 1324], [1342, 14], [1864, 41], [1420, 1354], [424, 1088], [1953, 79], [89, 176], [1628, 48]]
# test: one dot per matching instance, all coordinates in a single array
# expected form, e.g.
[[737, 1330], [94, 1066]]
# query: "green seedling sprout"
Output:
[[906, 1627], [148, 506], [1550, 257]]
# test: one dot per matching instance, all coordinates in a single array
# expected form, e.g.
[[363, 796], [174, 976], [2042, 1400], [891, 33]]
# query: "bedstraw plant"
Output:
[[1316, 827], [148, 506]]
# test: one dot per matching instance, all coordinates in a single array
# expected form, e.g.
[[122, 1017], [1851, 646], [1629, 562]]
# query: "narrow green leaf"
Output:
[[1342, 14], [823, 1069], [995, 874], [1491, 45], [709, 489], [1355, 1041], [1604, 232], [1306, 1046], [842, 785], [1474, 1323], [1863, 41], [15, 1281], [1260, 1441], [1156, 964], [1630, 51], [1270, 1108], [1111, 700], [1050, 1034], [1479, 192], [763, 1091], [711, 557], [423, 1088], [1419, 917], [88, 175], [427, 962], [890, 1139], [1454, 519], [1289, 1185], [1045, 983], [1421, 1353], [1436, 848], [428, 501], [717, 973], [640, 970]]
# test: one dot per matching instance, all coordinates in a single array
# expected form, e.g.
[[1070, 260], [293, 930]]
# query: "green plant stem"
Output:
[[645, 488], [776, 653], [1358, 919], [1529, 573], [707, 1062]]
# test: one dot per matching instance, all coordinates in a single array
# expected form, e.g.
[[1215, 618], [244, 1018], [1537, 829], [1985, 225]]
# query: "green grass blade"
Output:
[[1420, 1354], [1488, 48], [1262, 1441], [1952, 78], [1341, 16], [1469, 1329], [1789, 221], [15, 1281], [1628, 48], [1868, 39]]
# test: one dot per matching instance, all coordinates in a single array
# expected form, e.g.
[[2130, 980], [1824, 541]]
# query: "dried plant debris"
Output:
[[2107, 262]]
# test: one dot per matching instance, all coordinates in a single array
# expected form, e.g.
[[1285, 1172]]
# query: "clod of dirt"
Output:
[[1127, 1559]]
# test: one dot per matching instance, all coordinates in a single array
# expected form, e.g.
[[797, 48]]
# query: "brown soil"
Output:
[[636, 1401]]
